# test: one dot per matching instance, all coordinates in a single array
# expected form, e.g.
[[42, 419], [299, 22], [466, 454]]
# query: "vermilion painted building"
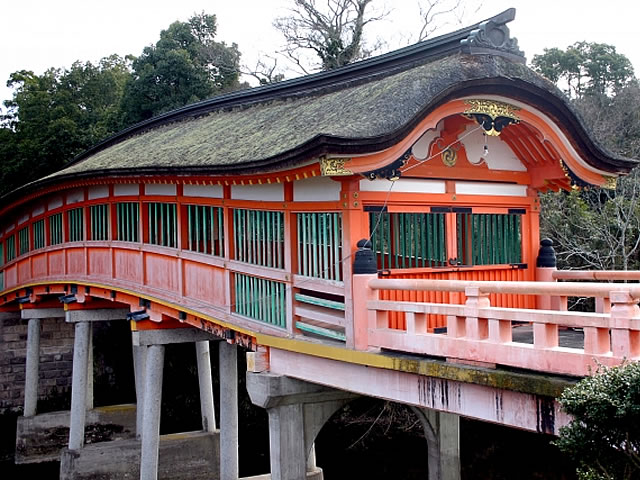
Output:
[[240, 215]]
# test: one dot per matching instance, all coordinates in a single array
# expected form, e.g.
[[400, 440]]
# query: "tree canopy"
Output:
[[597, 228], [586, 68], [186, 65], [604, 436], [56, 115]]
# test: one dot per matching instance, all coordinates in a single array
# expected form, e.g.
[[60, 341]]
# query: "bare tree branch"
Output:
[[333, 32]]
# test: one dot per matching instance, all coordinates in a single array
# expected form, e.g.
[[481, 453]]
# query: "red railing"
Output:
[[479, 332]]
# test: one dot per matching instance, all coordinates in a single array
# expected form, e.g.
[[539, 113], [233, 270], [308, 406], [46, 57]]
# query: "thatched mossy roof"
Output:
[[361, 108]]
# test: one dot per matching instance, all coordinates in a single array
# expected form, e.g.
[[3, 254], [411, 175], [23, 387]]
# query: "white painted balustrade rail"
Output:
[[480, 333]]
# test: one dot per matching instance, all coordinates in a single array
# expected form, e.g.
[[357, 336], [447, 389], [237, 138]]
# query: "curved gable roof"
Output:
[[364, 107]]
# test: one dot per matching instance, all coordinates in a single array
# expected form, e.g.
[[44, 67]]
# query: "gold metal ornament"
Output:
[[492, 115], [334, 167], [610, 183], [449, 157]]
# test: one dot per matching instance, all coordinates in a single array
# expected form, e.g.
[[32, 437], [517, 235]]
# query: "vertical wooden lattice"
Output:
[[128, 219], [408, 240], [163, 229], [259, 237], [489, 239], [205, 229], [11, 247], [56, 235], [38, 234], [23, 240], [320, 245], [99, 215], [260, 299], [76, 224]]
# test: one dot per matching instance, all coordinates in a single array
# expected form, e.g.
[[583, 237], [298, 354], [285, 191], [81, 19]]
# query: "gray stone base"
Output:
[[192, 455], [41, 438], [315, 474]]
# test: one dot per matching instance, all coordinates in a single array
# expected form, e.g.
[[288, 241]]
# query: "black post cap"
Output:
[[546, 254], [365, 260]]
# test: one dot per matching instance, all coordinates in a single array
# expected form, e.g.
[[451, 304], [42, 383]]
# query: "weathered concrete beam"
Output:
[[168, 336], [29, 313], [97, 315], [528, 411]]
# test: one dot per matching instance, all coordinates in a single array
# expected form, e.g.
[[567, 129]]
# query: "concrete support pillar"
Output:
[[152, 404], [79, 384], [286, 442], [311, 459], [297, 411], [89, 405], [139, 368], [228, 411], [442, 431], [205, 382], [32, 368]]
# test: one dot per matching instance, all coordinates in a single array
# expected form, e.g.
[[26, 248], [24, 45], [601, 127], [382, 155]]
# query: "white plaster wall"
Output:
[[500, 156], [39, 210], [75, 196], [488, 188], [160, 189], [54, 203], [273, 192], [126, 189], [316, 189], [205, 191], [99, 191], [407, 185]]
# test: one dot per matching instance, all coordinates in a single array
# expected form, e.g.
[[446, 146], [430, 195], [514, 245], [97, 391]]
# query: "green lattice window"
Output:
[[260, 299], [99, 217], [408, 240], [320, 245], [75, 218], [1, 253], [1, 281], [127, 220], [10, 246], [163, 224], [489, 239], [259, 237], [23, 240], [38, 234], [205, 232], [56, 233]]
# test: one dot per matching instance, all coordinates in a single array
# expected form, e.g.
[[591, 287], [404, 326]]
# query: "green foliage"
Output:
[[585, 68], [56, 115], [604, 436], [185, 65], [595, 228]]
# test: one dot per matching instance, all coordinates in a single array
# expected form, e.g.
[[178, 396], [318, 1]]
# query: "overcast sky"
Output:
[[38, 34]]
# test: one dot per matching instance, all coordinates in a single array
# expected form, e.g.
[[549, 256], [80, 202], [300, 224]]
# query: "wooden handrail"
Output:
[[603, 275], [563, 289]]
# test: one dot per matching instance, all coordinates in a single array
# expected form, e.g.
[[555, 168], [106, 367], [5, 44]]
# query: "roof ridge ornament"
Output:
[[492, 36]]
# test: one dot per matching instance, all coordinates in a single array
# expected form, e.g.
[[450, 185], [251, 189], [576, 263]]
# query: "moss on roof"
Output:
[[225, 140]]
